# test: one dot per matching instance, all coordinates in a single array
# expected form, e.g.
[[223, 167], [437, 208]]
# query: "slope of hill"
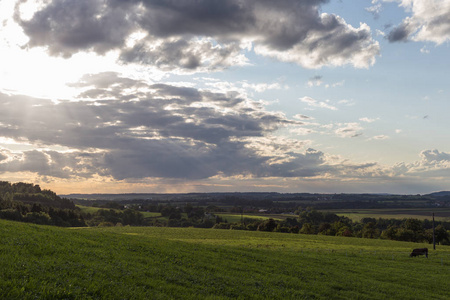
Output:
[[29, 203], [32, 194], [440, 194], [187, 263]]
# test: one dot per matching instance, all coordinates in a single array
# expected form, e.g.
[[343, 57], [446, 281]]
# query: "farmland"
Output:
[[356, 215], [193, 263], [441, 214]]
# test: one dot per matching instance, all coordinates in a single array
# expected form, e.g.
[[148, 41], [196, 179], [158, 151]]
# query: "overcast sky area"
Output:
[[115, 96]]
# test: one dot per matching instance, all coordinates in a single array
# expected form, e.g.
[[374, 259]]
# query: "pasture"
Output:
[[189, 263], [236, 218], [441, 214], [92, 209]]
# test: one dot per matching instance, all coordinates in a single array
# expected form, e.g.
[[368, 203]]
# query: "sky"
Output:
[[165, 96]]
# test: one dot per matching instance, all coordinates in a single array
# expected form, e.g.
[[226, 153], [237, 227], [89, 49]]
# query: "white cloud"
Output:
[[368, 120], [424, 50], [432, 164], [261, 87], [380, 137], [380, 33], [302, 131], [348, 130], [315, 81], [302, 117], [346, 102], [336, 84], [314, 103], [429, 21], [375, 10]]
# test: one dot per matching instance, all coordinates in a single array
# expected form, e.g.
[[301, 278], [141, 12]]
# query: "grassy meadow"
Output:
[[91, 210], [441, 214], [43, 262], [236, 218]]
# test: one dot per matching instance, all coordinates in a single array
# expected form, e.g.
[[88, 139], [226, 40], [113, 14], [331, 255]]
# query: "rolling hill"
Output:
[[47, 262]]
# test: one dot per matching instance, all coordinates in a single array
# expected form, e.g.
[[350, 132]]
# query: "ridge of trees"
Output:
[[27, 202]]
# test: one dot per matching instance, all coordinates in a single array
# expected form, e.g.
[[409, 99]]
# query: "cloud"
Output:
[[375, 9], [3, 157], [172, 54], [424, 50], [368, 120], [261, 87], [431, 157], [429, 21], [348, 130], [314, 103], [380, 137], [432, 164], [400, 33], [336, 84], [302, 131], [302, 117], [315, 81], [151, 131], [205, 35], [346, 102]]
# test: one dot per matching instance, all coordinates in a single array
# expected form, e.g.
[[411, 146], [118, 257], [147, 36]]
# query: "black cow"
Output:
[[419, 251]]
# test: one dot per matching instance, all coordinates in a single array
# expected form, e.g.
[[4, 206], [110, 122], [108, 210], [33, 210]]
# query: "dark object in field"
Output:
[[419, 251]]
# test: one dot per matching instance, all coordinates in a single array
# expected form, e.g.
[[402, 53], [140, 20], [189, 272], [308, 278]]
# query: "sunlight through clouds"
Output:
[[224, 95]]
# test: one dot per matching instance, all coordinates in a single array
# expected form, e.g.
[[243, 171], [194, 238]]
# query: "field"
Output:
[[42, 262], [236, 218], [91, 210], [441, 214]]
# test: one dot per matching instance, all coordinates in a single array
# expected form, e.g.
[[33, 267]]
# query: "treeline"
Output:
[[114, 214], [31, 194], [309, 221], [316, 222], [115, 217], [26, 202]]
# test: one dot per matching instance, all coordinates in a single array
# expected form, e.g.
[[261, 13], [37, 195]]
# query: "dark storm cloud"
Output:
[[399, 34], [198, 35], [164, 131], [184, 54], [136, 138]]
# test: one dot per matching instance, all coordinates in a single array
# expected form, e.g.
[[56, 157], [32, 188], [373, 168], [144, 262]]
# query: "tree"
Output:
[[370, 231], [268, 225], [307, 228], [326, 229]]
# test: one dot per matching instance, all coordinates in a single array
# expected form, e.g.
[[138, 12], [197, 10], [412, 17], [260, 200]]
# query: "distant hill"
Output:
[[176, 196], [29, 193], [440, 194], [27, 202]]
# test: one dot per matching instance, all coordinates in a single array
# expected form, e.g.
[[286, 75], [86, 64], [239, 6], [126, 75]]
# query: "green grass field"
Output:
[[88, 209], [236, 218], [91, 210], [42, 262], [441, 214]]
